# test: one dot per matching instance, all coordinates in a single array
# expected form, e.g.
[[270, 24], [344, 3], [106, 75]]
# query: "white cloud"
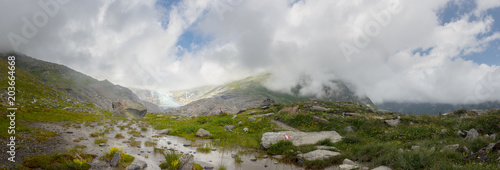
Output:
[[125, 42]]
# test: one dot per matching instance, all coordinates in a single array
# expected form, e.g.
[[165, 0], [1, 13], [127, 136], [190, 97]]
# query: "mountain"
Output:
[[247, 93], [434, 108], [75, 86]]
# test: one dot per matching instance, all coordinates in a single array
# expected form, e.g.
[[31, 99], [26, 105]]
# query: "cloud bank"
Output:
[[392, 50]]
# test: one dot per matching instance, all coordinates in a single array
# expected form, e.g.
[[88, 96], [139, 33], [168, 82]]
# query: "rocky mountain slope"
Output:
[[78, 87], [247, 93], [434, 108]]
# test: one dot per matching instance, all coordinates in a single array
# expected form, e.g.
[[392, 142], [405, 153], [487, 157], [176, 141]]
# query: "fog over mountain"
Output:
[[433, 51]]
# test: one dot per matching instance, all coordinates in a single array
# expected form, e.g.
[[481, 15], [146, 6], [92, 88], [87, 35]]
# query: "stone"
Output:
[[453, 147], [264, 107], [460, 133], [115, 160], [276, 129], [444, 130], [351, 114], [245, 129], [318, 109], [186, 145], [331, 116], [164, 131], [208, 167], [251, 119], [382, 168], [102, 144], [229, 128], [493, 136], [496, 147], [265, 156], [202, 133], [463, 149], [348, 162], [415, 148], [318, 119], [253, 159], [186, 162], [268, 102], [298, 138], [233, 155], [129, 109], [241, 111], [289, 110], [137, 165], [472, 134], [393, 123], [347, 167], [348, 129], [253, 112], [326, 148], [277, 157], [317, 155]]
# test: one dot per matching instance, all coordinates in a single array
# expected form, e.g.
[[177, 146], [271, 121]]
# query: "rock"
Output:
[[318, 119], [351, 114], [490, 146], [129, 108], [208, 167], [233, 155], [348, 129], [265, 156], [245, 129], [479, 156], [186, 145], [241, 111], [331, 116], [463, 149], [289, 110], [264, 107], [186, 162], [229, 128], [453, 147], [253, 159], [347, 167], [401, 150], [318, 109], [317, 155], [164, 131], [298, 138], [276, 130], [277, 157], [382, 168], [479, 112], [393, 123], [253, 112], [137, 165], [116, 159], [202, 133], [444, 131], [496, 147], [460, 133], [251, 119], [415, 148], [326, 148], [268, 102], [102, 144], [348, 162], [69, 132], [472, 134], [99, 165]]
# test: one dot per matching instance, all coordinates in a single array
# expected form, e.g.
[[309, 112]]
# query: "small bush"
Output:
[[100, 140], [119, 136], [204, 149], [150, 143]]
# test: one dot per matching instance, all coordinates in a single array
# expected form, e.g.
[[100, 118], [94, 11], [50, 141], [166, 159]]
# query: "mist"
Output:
[[393, 50]]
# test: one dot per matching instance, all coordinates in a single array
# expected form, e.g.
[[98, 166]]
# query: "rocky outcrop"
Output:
[[116, 159], [129, 108], [393, 123], [472, 134], [298, 138]]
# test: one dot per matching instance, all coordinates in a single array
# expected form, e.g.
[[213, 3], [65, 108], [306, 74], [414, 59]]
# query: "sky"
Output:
[[439, 51]]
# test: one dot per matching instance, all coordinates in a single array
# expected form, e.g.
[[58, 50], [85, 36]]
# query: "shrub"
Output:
[[204, 149], [100, 140]]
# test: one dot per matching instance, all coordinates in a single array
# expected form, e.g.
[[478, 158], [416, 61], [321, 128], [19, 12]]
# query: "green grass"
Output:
[[150, 143], [119, 136], [100, 140], [171, 161], [134, 132], [67, 160], [204, 149], [124, 162]]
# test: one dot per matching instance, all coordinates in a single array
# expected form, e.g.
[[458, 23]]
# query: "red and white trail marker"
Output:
[[286, 137]]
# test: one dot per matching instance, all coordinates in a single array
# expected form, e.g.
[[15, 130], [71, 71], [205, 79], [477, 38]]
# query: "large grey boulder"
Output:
[[129, 108], [318, 109], [298, 138], [472, 134], [317, 155], [202, 133], [229, 127], [137, 165], [382, 168], [116, 159]]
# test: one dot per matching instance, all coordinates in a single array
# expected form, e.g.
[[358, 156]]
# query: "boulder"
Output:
[[472, 134], [318, 109], [298, 138], [137, 165], [289, 110], [245, 129], [318, 119], [317, 155], [129, 109], [268, 102], [348, 129], [115, 160], [229, 127], [347, 167], [251, 119], [393, 123], [202, 133], [186, 162], [453, 147], [460, 133], [348, 162]]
